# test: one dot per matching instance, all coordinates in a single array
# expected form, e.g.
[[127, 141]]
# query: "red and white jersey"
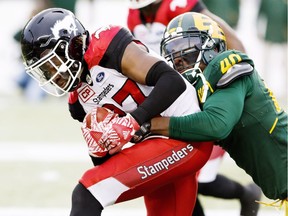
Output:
[[149, 30], [115, 91], [110, 88]]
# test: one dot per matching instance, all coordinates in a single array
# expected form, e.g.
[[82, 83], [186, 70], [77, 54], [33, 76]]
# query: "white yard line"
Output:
[[44, 151], [59, 152]]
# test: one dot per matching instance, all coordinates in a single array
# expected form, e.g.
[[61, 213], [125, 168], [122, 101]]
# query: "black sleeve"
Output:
[[168, 86], [76, 111], [114, 53]]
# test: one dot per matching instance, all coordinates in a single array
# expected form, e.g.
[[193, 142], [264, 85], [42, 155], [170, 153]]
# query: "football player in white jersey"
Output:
[[109, 68]]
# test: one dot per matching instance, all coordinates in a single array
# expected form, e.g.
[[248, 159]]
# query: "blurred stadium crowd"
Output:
[[258, 25]]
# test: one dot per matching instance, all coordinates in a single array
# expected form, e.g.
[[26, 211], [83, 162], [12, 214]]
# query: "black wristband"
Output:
[[145, 127], [142, 133]]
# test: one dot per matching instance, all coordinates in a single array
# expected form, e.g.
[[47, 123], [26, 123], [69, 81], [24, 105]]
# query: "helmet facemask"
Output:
[[57, 60], [191, 41], [191, 48], [186, 50], [53, 44]]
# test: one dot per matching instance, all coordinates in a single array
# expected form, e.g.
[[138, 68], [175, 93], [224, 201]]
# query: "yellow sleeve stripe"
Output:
[[273, 126]]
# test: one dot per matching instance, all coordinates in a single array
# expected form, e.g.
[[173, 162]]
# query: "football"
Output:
[[92, 129], [97, 115]]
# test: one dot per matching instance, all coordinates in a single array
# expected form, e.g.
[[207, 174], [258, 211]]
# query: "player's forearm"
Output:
[[202, 126], [168, 86], [195, 127], [160, 125]]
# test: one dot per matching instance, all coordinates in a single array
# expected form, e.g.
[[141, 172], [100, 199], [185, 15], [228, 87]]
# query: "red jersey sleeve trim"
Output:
[[73, 97], [99, 43]]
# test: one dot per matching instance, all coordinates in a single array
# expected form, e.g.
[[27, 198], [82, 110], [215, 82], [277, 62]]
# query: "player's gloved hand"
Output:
[[93, 127], [142, 133], [118, 132]]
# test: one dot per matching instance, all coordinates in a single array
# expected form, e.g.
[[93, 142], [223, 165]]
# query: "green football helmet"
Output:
[[190, 38]]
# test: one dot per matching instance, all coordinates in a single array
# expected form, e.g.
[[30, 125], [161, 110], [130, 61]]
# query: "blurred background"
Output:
[[42, 154]]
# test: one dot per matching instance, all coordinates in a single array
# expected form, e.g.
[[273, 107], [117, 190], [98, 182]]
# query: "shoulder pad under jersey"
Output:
[[236, 71], [106, 41]]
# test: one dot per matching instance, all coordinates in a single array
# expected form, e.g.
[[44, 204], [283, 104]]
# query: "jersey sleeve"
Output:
[[220, 113], [107, 46]]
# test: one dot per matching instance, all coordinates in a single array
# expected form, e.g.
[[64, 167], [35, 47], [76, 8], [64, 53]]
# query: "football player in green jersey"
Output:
[[239, 112]]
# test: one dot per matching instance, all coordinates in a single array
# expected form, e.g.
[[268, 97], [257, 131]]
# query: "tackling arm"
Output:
[[220, 113]]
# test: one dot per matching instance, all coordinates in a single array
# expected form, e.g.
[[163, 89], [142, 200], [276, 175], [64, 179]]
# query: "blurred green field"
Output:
[[48, 120], [48, 184]]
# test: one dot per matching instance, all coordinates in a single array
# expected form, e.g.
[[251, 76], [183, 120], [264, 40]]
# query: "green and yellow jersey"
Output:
[[241, 114]]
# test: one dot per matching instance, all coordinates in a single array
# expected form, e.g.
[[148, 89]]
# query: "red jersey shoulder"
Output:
[[100, 41]]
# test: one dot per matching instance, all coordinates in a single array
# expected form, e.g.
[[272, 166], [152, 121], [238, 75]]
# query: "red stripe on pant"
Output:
[[158, 169]]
